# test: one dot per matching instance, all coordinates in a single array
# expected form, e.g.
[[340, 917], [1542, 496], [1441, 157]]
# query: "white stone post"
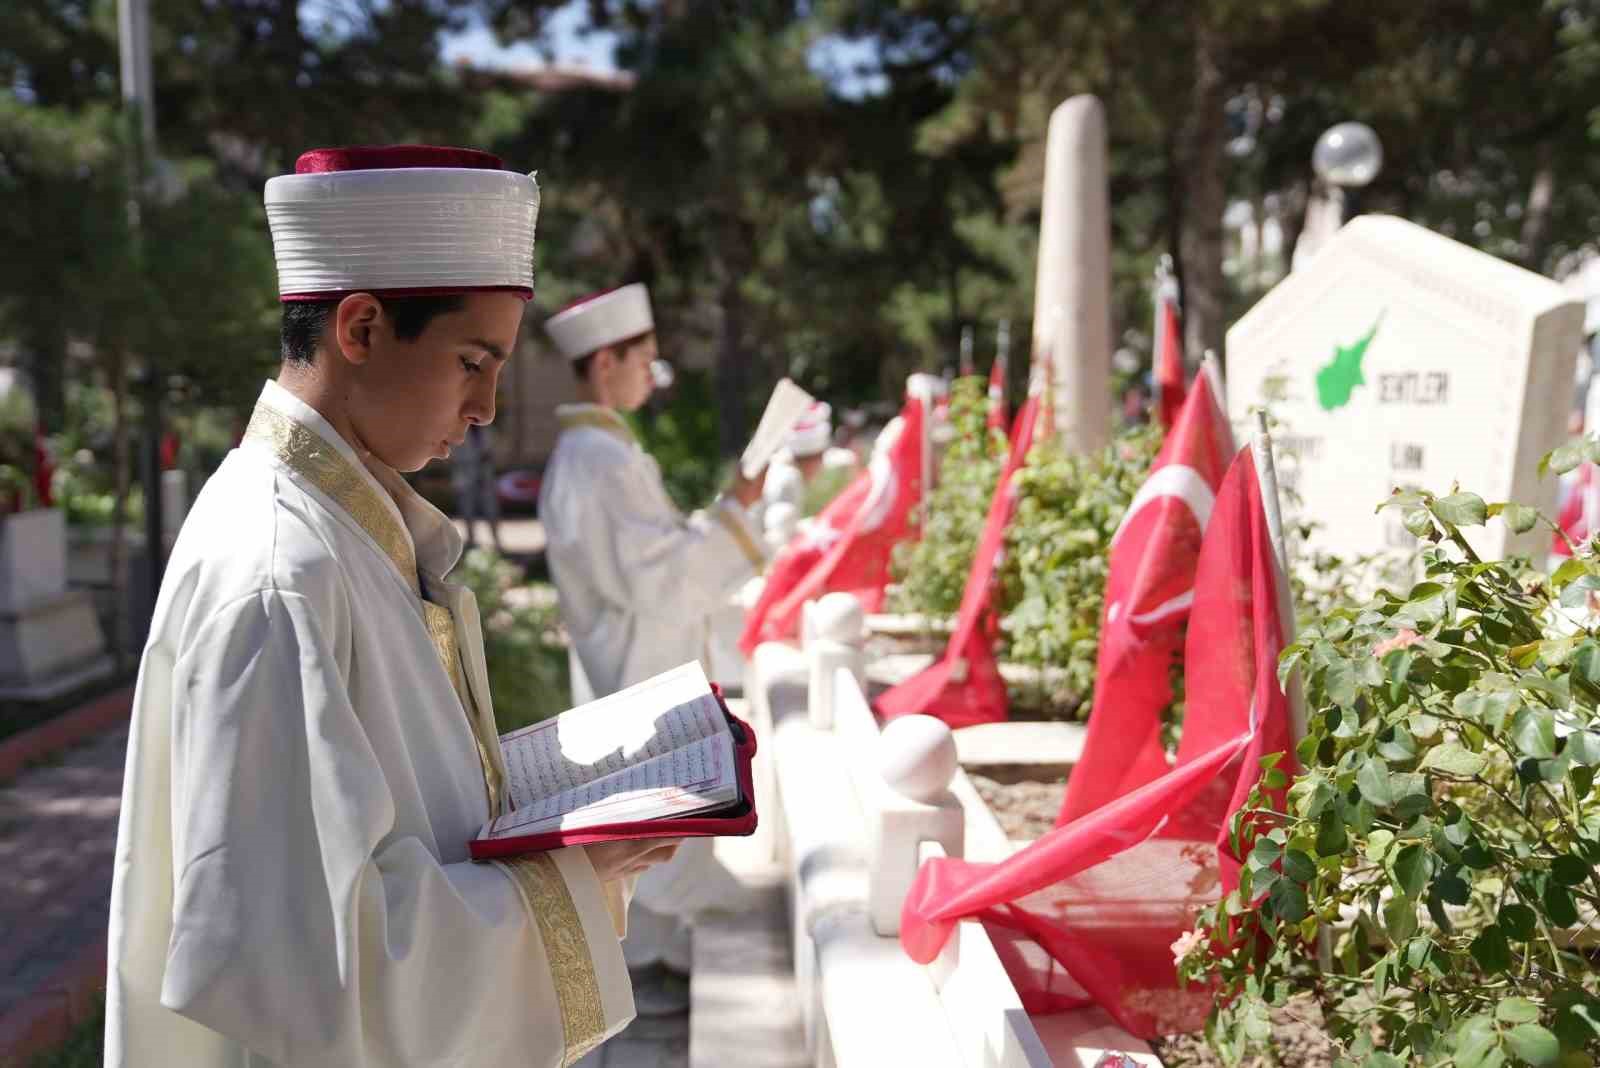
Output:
[[1072, 285], [834, 630], [917, 759]]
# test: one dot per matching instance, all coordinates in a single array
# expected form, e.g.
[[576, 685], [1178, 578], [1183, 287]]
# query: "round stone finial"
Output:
[[917, 757], [837, 617]]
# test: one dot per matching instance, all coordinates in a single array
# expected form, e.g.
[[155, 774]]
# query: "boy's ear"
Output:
[[354, 321]]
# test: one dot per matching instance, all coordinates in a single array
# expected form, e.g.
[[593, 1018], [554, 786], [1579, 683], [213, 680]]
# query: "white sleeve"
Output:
[[308, 933], [642, 554]]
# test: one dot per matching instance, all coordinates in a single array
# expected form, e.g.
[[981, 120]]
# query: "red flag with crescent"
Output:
[[848, 548], [1149, 590], [1169, 355]]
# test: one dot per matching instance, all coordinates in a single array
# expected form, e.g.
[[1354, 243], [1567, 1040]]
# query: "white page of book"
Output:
[[698, 776], [784, 408], [657, 716]]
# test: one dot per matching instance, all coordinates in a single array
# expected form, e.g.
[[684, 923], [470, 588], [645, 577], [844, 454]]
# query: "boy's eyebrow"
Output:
[[488, 346]]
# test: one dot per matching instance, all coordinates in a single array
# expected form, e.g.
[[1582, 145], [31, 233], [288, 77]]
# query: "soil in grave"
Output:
[[1299, 1040], [1027, 807]]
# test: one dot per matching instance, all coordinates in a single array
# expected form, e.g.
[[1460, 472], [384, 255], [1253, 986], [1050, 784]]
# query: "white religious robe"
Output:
[[639, 583], [638, 580], [312, 746]]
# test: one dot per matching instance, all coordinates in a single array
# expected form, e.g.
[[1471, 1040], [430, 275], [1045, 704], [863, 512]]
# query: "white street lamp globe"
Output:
[[1348, 154]]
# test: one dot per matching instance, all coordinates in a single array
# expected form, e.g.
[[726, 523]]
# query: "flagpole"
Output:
[[1267, 480]]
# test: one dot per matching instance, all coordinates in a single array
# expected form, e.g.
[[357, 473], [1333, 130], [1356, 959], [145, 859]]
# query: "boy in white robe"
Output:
[[639, 582], [313, 743]]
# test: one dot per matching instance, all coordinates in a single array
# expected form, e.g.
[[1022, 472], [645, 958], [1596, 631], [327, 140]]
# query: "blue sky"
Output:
[[837, 60], [570, 48]]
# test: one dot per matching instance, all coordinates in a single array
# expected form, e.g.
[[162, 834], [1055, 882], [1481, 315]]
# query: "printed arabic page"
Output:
[[699, 776], [655, 717]]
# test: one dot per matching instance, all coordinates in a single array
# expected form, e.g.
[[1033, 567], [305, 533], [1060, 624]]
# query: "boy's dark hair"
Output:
[[305, 320], [581, 367]]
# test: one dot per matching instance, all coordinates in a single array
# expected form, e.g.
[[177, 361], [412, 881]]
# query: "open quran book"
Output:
[[663, 759]]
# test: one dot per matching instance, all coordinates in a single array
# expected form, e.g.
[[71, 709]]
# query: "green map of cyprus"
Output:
[[1339, 378]]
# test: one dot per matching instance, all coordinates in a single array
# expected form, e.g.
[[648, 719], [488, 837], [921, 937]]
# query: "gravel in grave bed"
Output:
[[1026, 799]]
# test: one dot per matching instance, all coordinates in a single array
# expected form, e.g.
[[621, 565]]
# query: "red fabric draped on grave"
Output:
[[1089, 912], [964, 687], [848, 548]]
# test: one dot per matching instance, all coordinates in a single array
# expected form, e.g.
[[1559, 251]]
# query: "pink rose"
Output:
[[1399, 641], [1186, 944]]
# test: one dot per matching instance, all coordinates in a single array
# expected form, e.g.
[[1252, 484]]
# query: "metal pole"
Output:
[[966, 366], [138, 100]]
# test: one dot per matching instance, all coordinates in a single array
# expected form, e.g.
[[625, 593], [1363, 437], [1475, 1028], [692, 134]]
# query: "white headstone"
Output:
[[1072, 282], [1402, 358]]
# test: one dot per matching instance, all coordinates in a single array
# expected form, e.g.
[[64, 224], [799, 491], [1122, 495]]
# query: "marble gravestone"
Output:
[[1399, 357]]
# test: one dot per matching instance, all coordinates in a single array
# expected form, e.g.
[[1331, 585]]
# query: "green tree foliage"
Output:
[[931, 572]]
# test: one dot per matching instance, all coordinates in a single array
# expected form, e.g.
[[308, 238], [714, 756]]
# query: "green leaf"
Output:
[[1410, 871], [1288, 900], [1461, 510], [1340, 682], [1452, 759], [1534, 1044], [1400, 918], [1562, 460], [1299, 866], [1586, 668], [1417, 521], [1516, 1011], [1568, 870], [1489, 709], [1575, 594], [1399, 747], [1583, 747], [1331, 836], [1475, 1039], [1453, 889], [1518, 921], [1491, 950], [1378, 844], [1558, 905], [1572, 569], [1373, 782], [1380, 1059], [1533, 729], [1520, 518]]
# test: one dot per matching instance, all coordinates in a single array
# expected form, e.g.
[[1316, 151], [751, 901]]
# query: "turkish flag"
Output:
[[1089, 912], [1169, 356], [997, 394], [848, 548], [1149, 590], [964, 687]]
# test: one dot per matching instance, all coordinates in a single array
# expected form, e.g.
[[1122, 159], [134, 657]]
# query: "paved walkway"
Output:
[[58, 828]]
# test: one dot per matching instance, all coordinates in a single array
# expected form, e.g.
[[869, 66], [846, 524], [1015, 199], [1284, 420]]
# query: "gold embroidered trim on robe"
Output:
[[304, 452], [442, 632], [598, 418], [547, 899], [722, 512]]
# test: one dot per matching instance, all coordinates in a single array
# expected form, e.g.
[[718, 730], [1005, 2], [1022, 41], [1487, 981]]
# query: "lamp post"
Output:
[[1347, 157]]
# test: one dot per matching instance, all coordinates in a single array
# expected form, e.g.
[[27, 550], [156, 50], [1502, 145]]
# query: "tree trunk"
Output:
[[1200, 160], [733, 366], [1536, 216], [47, 356]]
